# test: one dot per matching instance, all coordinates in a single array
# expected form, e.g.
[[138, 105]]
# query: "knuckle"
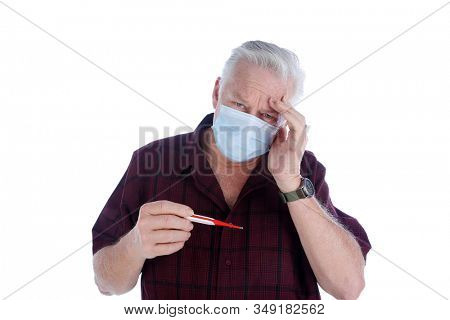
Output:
[[167, 220], [147, 208], [161, 205], [155, 206], [142, 209], [164, 205]]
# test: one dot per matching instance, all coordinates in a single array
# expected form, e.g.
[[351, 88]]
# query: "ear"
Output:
[[215, 94]]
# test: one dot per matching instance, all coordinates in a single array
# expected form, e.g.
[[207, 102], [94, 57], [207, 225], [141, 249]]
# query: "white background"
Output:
[[67, 129]]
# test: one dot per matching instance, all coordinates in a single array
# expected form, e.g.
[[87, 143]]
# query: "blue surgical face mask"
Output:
[[241, 136]]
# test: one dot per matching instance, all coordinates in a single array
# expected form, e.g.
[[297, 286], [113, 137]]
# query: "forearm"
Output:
[[333, 253], [117, 267]]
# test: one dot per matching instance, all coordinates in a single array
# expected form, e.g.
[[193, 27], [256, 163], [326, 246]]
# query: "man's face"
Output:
[[249, 88]]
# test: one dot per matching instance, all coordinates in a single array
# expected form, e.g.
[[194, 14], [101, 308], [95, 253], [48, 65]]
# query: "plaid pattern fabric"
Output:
[[265, 260]]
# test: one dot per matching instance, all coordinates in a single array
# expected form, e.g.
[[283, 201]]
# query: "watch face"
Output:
[[309, 187]]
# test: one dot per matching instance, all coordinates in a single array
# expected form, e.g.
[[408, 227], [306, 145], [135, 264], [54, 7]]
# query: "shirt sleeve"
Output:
[[323, 196], [114, 220]]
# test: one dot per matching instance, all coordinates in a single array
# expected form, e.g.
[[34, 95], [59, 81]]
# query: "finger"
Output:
[[280, 106], [295, 119], [282, 134], [168, 248], [165, 207], [170, 221], [168, 236]]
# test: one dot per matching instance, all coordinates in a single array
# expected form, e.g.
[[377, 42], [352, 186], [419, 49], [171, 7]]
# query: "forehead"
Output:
[[248, 81]]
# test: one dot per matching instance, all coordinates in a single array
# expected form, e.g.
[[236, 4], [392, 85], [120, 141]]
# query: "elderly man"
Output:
[[245, 164]]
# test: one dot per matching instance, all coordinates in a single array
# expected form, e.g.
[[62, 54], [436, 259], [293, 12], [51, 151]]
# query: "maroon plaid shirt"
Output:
[[265, 260]]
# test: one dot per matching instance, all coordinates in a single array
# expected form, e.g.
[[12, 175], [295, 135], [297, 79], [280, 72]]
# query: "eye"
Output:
[[268, 116], [239, 105]]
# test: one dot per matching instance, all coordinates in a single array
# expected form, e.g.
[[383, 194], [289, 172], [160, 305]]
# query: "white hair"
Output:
[[269, 56]]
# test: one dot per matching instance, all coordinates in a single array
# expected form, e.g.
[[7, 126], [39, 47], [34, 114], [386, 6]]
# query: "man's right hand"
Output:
[[161, 229]]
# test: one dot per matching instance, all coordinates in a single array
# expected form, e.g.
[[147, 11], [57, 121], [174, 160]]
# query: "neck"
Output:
[[218, 161]]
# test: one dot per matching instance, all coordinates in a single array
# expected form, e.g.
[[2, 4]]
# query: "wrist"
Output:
[[288, 184], [131, 244]]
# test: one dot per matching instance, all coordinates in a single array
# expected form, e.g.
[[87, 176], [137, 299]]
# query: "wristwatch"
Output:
[[306, 190]]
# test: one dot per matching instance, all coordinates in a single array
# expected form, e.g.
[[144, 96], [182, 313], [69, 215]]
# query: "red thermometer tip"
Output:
[[225, 224]]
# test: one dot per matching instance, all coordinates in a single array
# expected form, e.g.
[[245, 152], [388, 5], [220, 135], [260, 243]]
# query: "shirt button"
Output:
[[228, 262]]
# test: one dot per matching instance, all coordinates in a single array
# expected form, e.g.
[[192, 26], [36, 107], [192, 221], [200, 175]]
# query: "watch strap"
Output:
[[293, 195]]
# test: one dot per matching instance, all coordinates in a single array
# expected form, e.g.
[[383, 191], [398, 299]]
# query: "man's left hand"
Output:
[[287, 149]]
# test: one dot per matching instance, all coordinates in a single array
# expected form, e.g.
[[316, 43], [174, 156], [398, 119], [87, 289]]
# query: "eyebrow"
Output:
[[236, 96], [239, 97]]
